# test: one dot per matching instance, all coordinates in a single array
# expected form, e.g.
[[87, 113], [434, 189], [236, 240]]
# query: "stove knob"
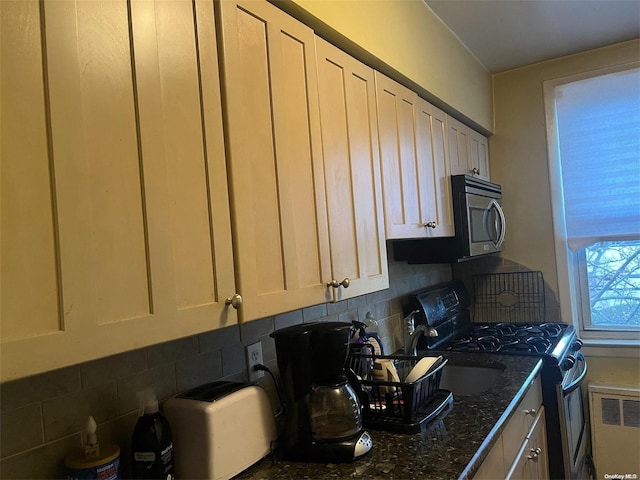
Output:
[[568, 362], [577, 345]]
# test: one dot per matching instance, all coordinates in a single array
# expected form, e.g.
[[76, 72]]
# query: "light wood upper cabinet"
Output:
[[479, 155], [115, 215], [459, 149], [435, 184], [274, 151], [415, 184], [468, 150], [352, 172], [398, 158]]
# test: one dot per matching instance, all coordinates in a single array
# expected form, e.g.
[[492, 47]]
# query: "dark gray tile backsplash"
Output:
[[43, 416]]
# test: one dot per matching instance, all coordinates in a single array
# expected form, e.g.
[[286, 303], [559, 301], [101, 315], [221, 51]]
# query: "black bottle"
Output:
[[152, 445]]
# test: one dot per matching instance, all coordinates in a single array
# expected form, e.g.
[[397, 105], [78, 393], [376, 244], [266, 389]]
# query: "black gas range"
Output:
[[445, 311]]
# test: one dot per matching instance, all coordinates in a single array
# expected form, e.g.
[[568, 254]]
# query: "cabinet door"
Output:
[[113, 235], [352, 172], [532, 459], [539, 461], [400, 164], [458, 143], [434, 186], [479, 152], [274, 154], [520, 469], [520, 423], [492, 467]]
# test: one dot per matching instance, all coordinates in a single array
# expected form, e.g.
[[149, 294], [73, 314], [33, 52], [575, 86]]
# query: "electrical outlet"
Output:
[[254, 357]]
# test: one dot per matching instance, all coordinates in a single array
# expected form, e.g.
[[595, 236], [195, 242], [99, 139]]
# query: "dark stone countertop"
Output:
[[453, 445]]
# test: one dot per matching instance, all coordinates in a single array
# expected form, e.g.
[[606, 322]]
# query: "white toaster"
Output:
[[220, 429]]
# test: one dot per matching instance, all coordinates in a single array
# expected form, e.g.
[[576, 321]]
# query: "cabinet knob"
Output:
[[531, 412], [475, 171], [235, 301], [430, 225], [335, 284]]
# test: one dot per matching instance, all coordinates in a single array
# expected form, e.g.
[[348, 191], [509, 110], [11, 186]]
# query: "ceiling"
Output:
[[506, 34]]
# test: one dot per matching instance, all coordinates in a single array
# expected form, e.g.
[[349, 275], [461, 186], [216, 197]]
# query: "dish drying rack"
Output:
[[397, 407]]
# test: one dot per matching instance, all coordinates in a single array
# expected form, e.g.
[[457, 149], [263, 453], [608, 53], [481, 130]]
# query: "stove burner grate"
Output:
[[508, 337]]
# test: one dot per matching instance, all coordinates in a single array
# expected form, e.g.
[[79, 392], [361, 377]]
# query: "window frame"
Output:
[[573, 287]]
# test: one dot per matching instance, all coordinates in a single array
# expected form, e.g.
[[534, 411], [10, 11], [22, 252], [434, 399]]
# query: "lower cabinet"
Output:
[[521, 450], [492, 467], [531, 461]]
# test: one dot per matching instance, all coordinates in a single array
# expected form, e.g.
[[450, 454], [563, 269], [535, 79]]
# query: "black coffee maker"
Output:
[[323, 420]]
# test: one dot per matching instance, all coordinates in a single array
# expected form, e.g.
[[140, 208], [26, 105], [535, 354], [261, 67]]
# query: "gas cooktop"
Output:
[[508, 337], [445, 309]]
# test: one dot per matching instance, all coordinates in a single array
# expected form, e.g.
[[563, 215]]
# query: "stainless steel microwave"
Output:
[[480, 226]]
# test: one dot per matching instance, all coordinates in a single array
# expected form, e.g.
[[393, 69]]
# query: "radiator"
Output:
[[615, 431]]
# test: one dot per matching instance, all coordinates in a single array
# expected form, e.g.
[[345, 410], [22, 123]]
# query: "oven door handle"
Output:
[[576, 383]]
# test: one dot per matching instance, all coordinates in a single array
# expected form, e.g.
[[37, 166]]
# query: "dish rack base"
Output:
[[440, 401], [395, 406]]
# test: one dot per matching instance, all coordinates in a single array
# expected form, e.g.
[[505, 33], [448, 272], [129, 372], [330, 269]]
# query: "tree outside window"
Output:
[[613, 271]]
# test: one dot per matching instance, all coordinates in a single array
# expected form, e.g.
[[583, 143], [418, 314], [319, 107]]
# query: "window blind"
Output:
[[598, 121]]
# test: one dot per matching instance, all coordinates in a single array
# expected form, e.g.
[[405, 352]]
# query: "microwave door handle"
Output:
[[486, 218], [503, 222]]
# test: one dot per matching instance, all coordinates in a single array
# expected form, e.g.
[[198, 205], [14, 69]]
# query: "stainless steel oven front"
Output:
[[574, 430]]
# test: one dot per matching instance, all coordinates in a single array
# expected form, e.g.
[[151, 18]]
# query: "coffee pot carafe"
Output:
[[323, 420]]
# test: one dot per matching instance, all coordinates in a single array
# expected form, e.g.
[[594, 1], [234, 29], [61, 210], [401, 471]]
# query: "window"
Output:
[[593, 124], [611, 284]]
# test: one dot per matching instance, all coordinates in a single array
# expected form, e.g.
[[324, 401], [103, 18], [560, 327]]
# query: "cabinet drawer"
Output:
[[521, 421]]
